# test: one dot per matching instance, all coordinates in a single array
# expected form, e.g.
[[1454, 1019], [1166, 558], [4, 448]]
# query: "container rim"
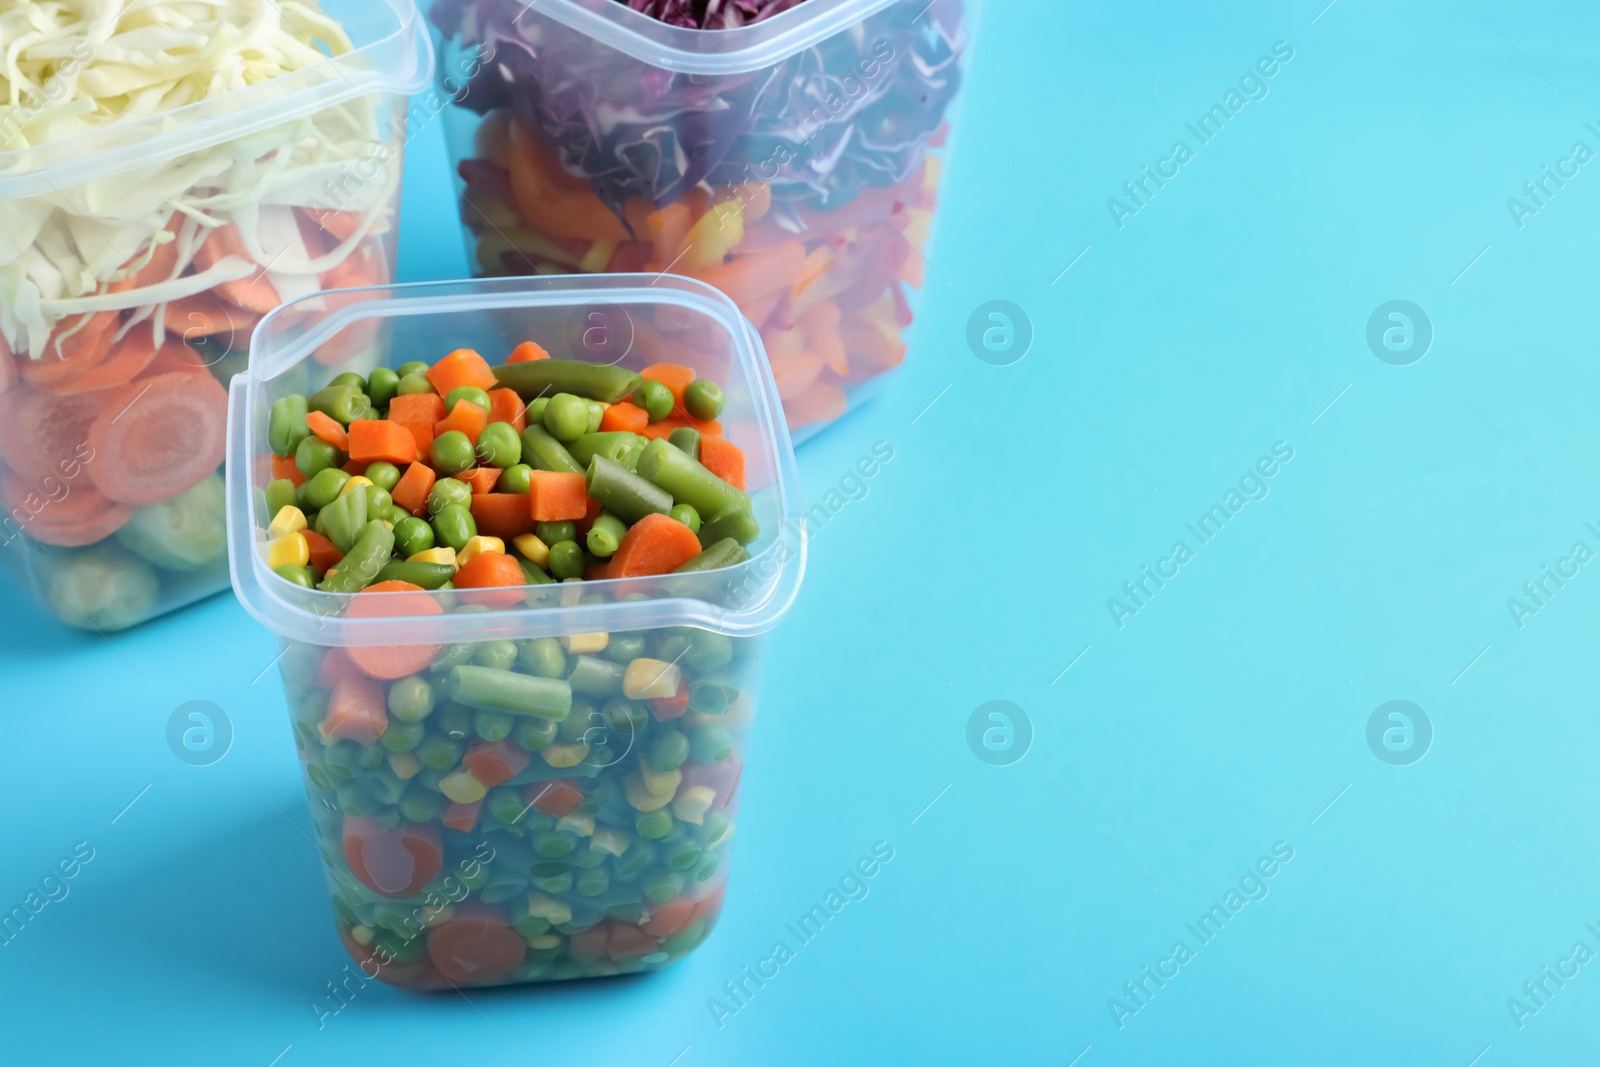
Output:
[[399, 61], [691, 51], [744, 600]]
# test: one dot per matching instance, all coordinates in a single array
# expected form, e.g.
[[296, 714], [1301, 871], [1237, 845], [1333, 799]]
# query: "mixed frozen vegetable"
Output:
[[805, 190]]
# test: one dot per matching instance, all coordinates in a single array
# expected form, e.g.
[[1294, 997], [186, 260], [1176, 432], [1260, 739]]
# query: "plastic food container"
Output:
[[136, 258], [792, 163], [605, 850]]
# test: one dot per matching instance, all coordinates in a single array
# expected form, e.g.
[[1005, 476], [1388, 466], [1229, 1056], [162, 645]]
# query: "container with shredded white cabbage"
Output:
[[170, 171]]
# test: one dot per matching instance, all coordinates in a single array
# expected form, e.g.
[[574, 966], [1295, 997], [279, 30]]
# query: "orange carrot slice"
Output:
[[411, 491], [480, 479], [325, 555], [656, 544], [675, 377], [418, 412], [371, 440], [127, 361], [559, 797], [526, 352], [285, 467], [476, 950], [462, 817], [495, 762], [502, 515], [389, 662], [506, 406], [355, 710], [459, 368], [624, 416], [396, 863], [724, 459], [43, 435], [467, 417], [253, 292], [495, 578], [165, 439], [328, 429], [558, 496]]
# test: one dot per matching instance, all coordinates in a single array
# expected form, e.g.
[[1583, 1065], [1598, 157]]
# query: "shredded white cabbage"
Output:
[[74, 66]]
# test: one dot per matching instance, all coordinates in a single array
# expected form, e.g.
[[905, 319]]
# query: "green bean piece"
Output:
[[683, 856], [286, 424], [593, 883], [605, 536], [686, 481], [708, 696], [596, 677], [452, 452], [383, 474], [661, 884], [439, 753], [362, 563], [553, 533], [299, 575], [424, 575], [518, 477], [411, 384], [545, 655], [412, 535], [313, 454], [349, 377], [454, 526], [533, 733], [492, 725], [504, 884], [716, 829], [655, 398], [708, 650], [499, 446], [623, 493], [447, 491], [703, 400], [725, 553], [734, 522], [557, 886], [410, 699], [625, 718], [403, 736], [669, 751], [454, 721], [686, 439], [634, 862], [279, 494], [470, 393], [566, 560], [710, 743], [566, 417], [619, 446], [344, 520], [353, 799], [597, 415], [345, 402], [501, 655], [542, 451], [686, 515], [531, 574], [501, 690], [415, 366], [577, 724], [624, 648], [546, 377]]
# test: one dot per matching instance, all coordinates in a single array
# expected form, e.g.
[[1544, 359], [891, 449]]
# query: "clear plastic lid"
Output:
[[393, 54], [692, 51], [630, 319]]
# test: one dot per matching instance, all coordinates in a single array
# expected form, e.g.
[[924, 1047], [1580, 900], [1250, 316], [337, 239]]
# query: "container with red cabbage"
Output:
[[784, 151]]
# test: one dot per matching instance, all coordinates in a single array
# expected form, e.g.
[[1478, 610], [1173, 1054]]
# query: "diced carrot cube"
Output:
[[411, 491], [461, 367], [506, 406], [558, 496], [467, 417], [724, 459]]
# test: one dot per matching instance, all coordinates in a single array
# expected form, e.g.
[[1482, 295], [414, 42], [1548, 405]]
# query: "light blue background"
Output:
[[1223, 718]]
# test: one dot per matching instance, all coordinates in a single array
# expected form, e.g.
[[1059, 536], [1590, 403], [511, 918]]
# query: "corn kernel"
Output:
[[563, 755], [650, 679], [645, 796], [577, 822], [404, 765], [544, 941], [363, 935], [291, 551], [549, 908], [288, 520], [609, 840], [461, 786], [571, 592], [661, 783], [532, 549], [693, 803], [444, 555], [354, 483], [476, 545], [578, 643]]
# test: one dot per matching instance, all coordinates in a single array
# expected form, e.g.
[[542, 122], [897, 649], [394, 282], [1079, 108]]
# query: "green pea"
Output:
[[671, 748], [470, 393], [300, 576], [533, 733], [535, 413], [708, 651], [703, 400], [710, 743], [661, 884], [454, 527], [499, 445], [451, 656], [313, 455], [349, 377], [686, 515], [624, 647], [412, 535], [452, 451], [411, 699], [492, 725], [323, 488], [403, 736], [411, 384], [517, 478], [382, 385], [655, 398], [566, 560], [280, 493], [501, 655], [393, 514], [625, 718], [416, 366], [584, 715], [672, 648], [597, 414], [378, 499], [566, 417], [554, 845], [593, 883], [555, 532], [447, 491], [546, 656], [384, 475]]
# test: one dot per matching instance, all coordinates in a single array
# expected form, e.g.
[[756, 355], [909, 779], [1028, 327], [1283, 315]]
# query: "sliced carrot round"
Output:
[[78, 345], [392, 661], [39, 431], [163, 435], [396, 863], [476, 950], [127, 360], [495, 578]]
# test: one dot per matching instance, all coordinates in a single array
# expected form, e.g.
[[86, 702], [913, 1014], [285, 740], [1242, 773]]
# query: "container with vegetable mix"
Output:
[[168, 174], [783, 151], [520, 569]]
